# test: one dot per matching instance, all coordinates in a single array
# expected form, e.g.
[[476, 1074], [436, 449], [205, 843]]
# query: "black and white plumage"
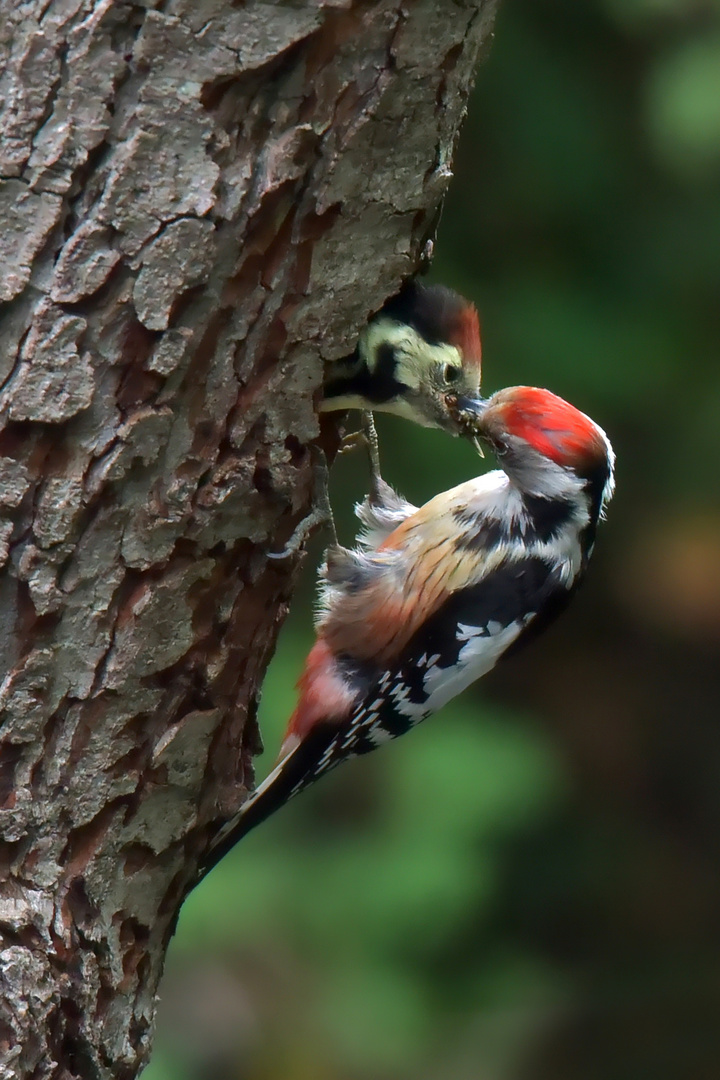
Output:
[[414, 357], [421, 346], [431, 598]]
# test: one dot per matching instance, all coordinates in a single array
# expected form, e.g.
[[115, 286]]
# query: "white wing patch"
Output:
[[399, 694], [379, 735], [482, 649]]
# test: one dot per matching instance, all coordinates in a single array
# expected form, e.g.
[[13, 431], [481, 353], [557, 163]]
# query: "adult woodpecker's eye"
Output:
[[451, 373]]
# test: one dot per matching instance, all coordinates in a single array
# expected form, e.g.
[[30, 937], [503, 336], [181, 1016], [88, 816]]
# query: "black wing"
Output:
[[527, 593]]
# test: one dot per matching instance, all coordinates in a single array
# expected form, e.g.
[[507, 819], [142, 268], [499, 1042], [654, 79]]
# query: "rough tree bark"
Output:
[[201, 201]]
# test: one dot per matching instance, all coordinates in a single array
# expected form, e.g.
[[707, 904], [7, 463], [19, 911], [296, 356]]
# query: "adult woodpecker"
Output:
[[421, 346], [433, 597]]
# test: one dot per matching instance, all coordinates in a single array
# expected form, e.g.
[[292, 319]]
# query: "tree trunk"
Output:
[[200, 204]]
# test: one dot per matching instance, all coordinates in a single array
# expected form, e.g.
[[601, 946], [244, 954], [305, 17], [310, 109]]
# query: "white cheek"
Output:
[[400, 407]]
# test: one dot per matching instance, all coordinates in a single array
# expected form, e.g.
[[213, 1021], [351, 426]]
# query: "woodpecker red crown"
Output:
[[464, 333], [547, 423], [440, 314], [551, 425]]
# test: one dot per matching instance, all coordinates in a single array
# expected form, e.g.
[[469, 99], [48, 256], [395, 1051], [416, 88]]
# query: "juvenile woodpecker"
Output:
[[421, 346], [421, 350], [431, 598]]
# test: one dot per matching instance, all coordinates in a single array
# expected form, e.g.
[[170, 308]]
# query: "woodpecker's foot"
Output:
[[368, 423], [366, 438], [321, 513], [354, 440]]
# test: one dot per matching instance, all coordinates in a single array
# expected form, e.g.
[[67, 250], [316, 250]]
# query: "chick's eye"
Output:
[[451, 373]]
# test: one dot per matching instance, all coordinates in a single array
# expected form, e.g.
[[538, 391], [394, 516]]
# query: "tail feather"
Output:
[[281, 785]]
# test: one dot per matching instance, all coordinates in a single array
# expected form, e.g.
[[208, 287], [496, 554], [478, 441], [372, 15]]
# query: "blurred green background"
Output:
[[528, 886]]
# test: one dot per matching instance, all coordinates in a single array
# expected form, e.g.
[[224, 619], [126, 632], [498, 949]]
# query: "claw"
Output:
[[368, 439], [321, 514]]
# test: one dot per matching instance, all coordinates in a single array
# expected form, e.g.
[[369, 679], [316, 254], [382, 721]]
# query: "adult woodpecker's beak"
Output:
[[467, 413]]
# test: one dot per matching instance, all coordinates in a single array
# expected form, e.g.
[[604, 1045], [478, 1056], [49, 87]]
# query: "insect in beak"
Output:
[[467, 413]]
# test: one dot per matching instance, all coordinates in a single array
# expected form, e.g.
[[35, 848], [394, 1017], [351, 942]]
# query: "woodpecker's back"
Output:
[[431, 598]]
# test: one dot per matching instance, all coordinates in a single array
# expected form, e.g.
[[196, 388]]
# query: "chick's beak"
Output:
[[468, 413], [470, 409]]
